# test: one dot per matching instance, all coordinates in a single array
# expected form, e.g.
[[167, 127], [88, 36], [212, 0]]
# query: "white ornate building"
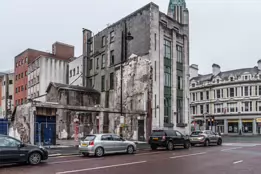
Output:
[[231, 98]]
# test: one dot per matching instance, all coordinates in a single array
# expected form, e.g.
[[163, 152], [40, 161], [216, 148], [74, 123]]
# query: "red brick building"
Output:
[[22, 60]]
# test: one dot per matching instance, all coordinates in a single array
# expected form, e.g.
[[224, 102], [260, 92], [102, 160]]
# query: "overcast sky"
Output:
[[226, 32]]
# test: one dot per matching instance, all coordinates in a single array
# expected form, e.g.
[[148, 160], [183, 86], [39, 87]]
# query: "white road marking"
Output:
[[236, 162], [193, 154], [102, 167], [241, 144], [65, 156], [147, 153], [56, 154], [230, 149], [69, 161]]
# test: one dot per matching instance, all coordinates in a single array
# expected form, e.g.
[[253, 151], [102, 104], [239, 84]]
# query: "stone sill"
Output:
[[169, 125], [182, 125]]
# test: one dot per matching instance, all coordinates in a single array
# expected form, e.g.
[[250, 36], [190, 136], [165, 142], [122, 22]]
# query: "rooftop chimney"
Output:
[[259, 64], [193, 71], [215, 69]]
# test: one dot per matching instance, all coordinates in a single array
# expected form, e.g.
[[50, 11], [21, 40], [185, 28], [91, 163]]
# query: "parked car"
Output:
[[14, 151], [101, 144], [168, 139], [205, 137]]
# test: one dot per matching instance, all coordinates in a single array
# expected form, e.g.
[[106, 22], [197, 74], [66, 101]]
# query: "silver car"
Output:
[[205, 137], [100, 144]]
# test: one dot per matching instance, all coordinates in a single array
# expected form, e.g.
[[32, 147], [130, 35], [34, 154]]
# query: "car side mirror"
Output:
[[21, 145]]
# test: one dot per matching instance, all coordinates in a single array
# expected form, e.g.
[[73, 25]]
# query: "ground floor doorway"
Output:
[[45, 130]]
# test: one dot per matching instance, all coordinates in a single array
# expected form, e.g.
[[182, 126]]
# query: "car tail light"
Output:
[[164, 138], [91, 143]]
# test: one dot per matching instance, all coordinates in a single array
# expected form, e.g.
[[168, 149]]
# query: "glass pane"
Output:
[[89, 137]]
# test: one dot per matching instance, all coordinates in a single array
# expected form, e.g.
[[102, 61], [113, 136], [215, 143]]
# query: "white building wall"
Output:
[[49, 70], [158, 33], [154, 57], [76, 79], [11, 93]]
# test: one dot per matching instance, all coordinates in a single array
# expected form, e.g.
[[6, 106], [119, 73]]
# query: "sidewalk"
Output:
[[70, 147]]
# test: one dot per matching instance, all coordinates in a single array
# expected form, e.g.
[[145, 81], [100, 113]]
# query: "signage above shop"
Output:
[[258, 120]]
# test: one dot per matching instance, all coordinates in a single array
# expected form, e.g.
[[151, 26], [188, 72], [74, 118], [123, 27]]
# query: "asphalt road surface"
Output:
[[226, 159]]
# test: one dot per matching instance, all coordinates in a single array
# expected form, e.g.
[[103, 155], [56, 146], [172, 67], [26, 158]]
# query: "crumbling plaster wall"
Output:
[[137, 81], [65, 118], [21, 127]]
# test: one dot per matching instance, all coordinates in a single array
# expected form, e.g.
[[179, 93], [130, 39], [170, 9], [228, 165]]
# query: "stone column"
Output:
[[101, 115], [254, 127], [94, 122], [240, 125], [225, 127]]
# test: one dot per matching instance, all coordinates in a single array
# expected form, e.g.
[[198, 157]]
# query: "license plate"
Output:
[[155, 139], [84, 145]]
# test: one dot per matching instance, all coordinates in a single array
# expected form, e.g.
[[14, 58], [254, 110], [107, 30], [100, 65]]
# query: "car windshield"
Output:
[[158, 133], [89, 138], [197, 133]]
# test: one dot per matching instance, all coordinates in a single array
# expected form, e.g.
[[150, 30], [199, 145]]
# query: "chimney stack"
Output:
[[215, 69], [193, 71], [259, 64]]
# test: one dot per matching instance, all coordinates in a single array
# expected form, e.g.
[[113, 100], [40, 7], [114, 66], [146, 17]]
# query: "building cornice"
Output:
[[224, 84]]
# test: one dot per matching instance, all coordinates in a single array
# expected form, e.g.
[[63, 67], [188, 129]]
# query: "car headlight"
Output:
[[42, 148], [200, 138]]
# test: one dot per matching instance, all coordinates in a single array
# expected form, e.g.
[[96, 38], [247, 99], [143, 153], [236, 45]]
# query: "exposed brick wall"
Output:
[[63, 50]]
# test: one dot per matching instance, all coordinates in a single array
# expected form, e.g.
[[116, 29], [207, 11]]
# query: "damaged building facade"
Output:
[[45, 122], [141, 63]]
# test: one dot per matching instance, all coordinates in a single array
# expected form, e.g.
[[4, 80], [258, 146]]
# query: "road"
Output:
[[226, 159]]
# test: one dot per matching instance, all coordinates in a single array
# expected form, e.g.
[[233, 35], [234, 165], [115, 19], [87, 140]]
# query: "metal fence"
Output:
[[4, 128], [45, 133], [49, 133]]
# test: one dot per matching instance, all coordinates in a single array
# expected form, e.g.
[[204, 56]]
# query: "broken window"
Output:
[[103, 61], [111, 80], [112, 58], [103, 41], [112, 36], [103, 83]]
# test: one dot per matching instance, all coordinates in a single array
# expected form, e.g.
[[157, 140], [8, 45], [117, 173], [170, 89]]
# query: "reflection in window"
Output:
[[8, 142]]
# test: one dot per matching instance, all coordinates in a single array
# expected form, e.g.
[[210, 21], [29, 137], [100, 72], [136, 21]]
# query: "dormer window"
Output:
[[246, 77], [231, 79], [217, 80], [259, 76], [193, 85]]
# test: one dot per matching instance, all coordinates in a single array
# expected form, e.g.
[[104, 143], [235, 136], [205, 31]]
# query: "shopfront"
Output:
[[220, 126], [258, 125], [233, 126], [247, 126]]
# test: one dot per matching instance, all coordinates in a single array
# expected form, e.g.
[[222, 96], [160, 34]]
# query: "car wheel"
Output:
[[206, 143], [34, 158], [99, 152], [219, 142], [130, 149], [170, 146], [153, 147], [187, 145]]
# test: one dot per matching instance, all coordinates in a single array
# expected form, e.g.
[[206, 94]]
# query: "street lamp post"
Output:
[[126, 36]]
